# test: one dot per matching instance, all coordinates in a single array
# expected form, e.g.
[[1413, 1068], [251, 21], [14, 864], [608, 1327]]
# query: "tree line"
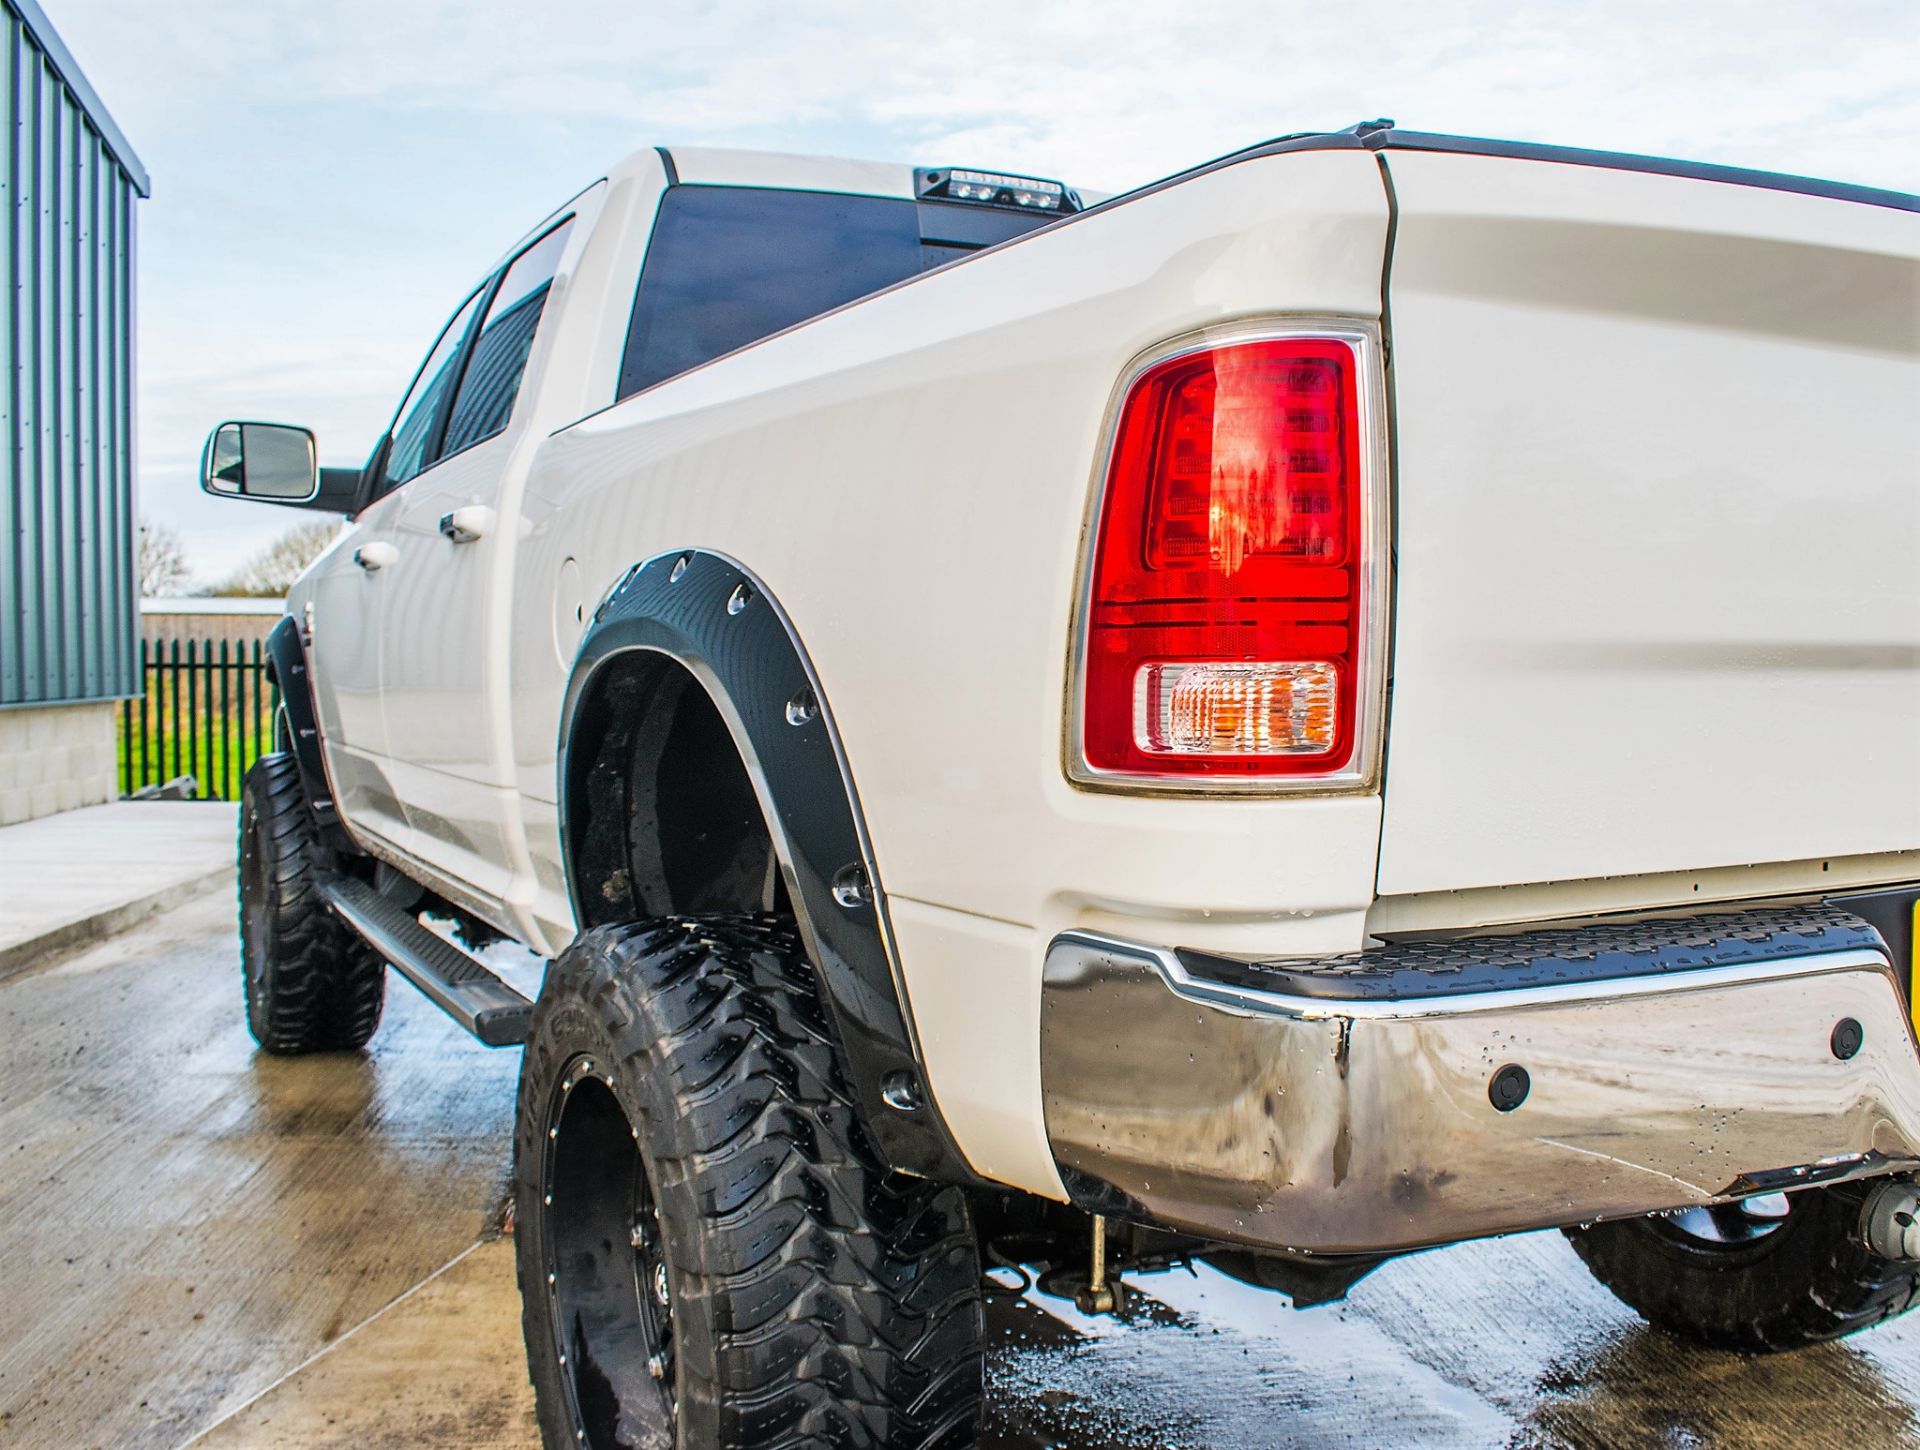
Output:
[[166, 572]]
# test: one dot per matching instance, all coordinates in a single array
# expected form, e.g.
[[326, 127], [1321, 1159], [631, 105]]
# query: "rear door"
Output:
[[443, 640], [343, 602]]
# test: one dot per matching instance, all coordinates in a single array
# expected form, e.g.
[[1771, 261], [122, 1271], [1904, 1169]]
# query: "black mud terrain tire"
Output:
[[312, 984], [1808, 1279], [711, 1254]]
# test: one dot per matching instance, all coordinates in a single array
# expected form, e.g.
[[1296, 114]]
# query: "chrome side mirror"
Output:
[[272, 462]]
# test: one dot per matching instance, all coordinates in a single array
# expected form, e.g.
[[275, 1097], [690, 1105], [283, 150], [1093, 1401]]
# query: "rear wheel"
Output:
[[312, 984], [1768, 1273], [711, 1253]]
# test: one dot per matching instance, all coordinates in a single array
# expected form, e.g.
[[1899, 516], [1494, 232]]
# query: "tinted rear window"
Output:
[[729, 265]]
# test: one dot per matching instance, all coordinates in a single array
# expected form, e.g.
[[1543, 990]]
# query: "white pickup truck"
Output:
[[1362, 696]]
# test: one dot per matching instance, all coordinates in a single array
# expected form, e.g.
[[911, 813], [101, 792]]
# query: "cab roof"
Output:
[[717, 166], [724, 166]]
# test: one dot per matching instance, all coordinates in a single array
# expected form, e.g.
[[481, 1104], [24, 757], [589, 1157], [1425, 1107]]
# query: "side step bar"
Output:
[[454, 982]]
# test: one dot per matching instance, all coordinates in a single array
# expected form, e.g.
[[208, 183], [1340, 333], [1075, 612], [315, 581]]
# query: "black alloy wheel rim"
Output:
[[609, 1289]]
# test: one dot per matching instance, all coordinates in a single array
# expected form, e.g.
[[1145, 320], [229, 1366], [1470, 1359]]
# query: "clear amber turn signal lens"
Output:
[[1237, 708]]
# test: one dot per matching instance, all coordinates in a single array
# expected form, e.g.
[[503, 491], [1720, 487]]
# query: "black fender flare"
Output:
[[286, 655], [716, 620]]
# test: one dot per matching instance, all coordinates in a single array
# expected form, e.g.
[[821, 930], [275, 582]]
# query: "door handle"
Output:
[[467, 523], [375, 555]]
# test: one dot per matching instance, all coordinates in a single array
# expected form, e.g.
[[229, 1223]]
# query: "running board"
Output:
[[456, 983]]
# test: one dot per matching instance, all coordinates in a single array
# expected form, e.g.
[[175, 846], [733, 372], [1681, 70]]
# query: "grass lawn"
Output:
[[205, 718]]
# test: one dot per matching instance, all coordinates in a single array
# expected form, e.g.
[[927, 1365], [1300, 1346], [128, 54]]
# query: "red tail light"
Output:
[[1229, 621]]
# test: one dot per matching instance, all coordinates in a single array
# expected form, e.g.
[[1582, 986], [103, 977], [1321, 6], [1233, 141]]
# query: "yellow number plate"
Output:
[[1913, 969]]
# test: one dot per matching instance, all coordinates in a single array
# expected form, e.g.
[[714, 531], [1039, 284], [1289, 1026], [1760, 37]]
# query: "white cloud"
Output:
[[1128, 89], [327, 176]]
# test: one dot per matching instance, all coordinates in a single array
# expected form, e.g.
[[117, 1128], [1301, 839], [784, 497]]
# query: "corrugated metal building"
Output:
[[68, 602]]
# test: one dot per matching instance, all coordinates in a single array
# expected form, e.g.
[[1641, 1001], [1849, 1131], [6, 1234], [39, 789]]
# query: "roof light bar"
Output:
[[993, 188]]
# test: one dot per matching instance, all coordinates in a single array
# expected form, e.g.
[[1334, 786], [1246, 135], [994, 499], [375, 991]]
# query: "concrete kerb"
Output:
[[74, 878]]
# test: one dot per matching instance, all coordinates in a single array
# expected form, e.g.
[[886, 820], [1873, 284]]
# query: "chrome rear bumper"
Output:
[[1350, 1117]]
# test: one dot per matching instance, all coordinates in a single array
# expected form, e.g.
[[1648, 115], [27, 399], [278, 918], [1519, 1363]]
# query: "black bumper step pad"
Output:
[[1554, 956]]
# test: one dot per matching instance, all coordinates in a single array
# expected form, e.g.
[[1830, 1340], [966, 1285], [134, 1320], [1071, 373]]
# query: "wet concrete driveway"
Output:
[[205, 1245]]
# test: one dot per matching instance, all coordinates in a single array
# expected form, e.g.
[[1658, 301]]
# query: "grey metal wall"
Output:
[[68, 182]]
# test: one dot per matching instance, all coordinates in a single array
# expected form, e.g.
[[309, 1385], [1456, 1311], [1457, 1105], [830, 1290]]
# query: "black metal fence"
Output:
[[206, 710]]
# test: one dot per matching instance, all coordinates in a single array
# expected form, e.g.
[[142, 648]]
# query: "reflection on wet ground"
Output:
[[1209, 1362], [188, 1219], [202, 1238], [1496, 1344]]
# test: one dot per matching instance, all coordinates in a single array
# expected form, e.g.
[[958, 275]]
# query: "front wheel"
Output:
[[1768, 1273], [312, 984], [710, 1252]]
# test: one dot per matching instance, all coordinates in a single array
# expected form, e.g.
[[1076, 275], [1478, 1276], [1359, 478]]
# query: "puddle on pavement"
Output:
[[1208, 1363], [1503, 1343]]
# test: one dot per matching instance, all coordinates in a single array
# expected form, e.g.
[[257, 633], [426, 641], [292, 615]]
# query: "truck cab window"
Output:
[[416, 423], [498, 361], [729, 265]]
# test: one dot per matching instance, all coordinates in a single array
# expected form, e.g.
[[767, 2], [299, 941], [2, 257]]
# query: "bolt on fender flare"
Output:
[[286, 667], [712, 617]]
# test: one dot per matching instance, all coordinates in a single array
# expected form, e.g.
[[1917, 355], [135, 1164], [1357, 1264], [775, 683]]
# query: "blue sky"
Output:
[[328, 178]]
